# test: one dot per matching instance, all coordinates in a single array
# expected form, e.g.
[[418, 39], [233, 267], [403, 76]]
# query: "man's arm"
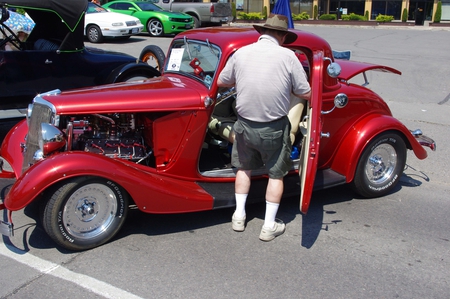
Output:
[[221, 84], [305, 96]]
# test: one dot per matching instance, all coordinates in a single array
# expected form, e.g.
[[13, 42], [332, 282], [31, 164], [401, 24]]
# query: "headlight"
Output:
[[51, 139], [117, 24]]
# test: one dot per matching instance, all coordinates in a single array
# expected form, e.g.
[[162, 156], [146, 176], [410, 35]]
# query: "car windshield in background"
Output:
[[147, 6], [194, 58], [94, 8]]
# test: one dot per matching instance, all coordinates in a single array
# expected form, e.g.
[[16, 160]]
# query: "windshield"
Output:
[[194, 58], [94, 8], [147, 6]]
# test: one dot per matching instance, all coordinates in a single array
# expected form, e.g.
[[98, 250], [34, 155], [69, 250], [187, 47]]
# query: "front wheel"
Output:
[[94, 34], [154, 56], [84, 213], [155, 28], [380, 166]]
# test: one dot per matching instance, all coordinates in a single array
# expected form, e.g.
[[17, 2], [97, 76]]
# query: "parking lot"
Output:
[[345, 247]]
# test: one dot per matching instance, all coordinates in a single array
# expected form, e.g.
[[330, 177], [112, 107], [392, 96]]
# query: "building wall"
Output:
[[374, 7]]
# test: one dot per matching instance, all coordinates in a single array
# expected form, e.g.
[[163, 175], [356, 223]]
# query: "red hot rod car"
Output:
[[162, 143]]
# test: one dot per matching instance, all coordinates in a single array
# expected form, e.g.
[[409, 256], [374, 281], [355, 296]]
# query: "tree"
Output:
[[438, 14], [405, 15]]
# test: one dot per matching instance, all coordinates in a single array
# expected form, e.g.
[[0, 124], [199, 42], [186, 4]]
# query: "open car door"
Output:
[[312, 128]]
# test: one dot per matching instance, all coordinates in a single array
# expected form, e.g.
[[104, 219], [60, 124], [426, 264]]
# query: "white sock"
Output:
[[240, 205], [271, 212]]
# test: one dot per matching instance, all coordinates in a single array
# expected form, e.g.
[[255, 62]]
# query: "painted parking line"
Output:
[[91, 284]]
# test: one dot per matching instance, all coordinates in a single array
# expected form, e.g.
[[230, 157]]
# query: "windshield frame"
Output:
[[195, 59]]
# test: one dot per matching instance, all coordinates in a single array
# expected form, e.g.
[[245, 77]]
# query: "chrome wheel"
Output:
[[85, 212], [89, 211], [381, 165], [155, 28]]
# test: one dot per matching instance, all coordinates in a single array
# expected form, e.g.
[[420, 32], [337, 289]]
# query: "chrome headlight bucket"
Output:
[[50, 139]]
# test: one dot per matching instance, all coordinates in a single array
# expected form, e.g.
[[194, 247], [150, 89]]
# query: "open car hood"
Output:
[[351, 69]]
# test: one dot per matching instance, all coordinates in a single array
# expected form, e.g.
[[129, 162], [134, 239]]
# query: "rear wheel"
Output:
[[155, 28], [197, 23], [154, 56], [381, 165], [94, 34], [85, 212]]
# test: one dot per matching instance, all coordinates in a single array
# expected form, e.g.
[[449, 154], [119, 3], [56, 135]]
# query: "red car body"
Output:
[[86, 153]]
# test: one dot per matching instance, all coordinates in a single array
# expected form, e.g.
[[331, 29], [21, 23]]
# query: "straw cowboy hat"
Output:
[[280, 23]]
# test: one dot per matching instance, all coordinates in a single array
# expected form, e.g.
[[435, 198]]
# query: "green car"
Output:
[[157, 21]]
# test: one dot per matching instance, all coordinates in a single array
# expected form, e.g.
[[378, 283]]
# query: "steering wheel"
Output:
[[11, 38]]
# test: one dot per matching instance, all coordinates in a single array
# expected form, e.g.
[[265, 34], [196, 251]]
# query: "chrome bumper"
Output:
[[424, 140]]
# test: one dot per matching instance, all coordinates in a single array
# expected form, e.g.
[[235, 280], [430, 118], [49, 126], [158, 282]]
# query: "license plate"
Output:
[[135, 30], [188, 26]]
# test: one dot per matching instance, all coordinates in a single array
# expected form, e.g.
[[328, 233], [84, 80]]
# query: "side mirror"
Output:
[[333, 70]]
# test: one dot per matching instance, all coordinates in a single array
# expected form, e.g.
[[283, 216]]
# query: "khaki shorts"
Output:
[[259, 145]]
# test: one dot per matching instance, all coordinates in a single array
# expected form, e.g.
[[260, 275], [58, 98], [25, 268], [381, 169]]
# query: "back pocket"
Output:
[[271, 141]]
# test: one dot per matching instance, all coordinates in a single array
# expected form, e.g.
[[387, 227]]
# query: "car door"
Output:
[[311, 140], [23, 74]]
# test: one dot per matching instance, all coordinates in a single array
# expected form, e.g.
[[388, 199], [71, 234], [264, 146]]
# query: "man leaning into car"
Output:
[[265, 75]]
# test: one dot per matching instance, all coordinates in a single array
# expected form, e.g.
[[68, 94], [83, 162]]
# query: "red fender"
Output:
[[354, 142], [11, 149], [151, 192]]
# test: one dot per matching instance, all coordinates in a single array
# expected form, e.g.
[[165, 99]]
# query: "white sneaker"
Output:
[[238, 224], [270, 234]]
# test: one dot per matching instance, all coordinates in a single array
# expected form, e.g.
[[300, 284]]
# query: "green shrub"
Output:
[[328, 17], [300, 16], [353, 17], [265, 12], [366, 15], [250, 16], [438, 14], [404, 15], [316, 12], [233, 10], [384, 18]]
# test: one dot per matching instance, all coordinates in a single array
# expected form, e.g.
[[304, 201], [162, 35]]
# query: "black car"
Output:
[[54, 56]]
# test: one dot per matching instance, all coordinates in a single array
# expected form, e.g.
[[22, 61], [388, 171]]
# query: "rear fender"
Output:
[[151, 192], [354, 142], [122, 72]]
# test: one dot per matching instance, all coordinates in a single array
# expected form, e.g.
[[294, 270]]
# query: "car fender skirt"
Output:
[[355, 140], [151, 192]]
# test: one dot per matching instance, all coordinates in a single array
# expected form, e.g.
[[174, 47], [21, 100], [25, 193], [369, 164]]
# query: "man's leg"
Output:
[[242, 187], [273, 198], [272, 228]]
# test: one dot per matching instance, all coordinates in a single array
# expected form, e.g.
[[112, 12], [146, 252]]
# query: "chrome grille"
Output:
[[43, 112], [131, 23]]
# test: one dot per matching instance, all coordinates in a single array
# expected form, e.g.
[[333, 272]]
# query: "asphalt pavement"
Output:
[[397, 246]]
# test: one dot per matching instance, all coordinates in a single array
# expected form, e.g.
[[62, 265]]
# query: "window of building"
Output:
[[389, 8]]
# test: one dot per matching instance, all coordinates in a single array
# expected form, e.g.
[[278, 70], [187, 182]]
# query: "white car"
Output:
[[100, 23]]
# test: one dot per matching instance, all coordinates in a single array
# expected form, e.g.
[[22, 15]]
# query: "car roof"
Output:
[[56, 20], [233, 38], [69, 11]]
